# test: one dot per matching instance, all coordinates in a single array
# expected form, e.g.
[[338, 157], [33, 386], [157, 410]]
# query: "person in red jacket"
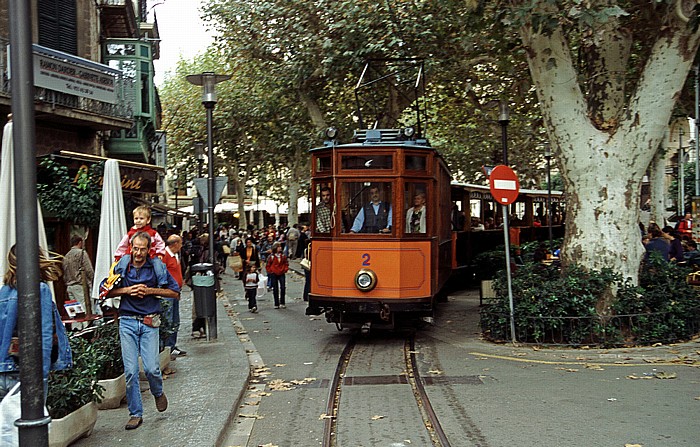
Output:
[[277, 266], [685, 227], [172, 262]]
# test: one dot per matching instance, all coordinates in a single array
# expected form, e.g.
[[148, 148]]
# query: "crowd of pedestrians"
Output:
[[673, 244]]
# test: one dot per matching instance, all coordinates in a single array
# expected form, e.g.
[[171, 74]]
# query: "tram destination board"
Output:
[[504, 185]]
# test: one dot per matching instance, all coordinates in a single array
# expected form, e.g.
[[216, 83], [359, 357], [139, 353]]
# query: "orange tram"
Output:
[[375, 256], [385, 237]]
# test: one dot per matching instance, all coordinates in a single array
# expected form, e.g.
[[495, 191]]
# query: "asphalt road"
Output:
[[485, 394]]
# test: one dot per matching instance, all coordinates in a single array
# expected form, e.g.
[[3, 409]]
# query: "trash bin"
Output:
[[203, 285]]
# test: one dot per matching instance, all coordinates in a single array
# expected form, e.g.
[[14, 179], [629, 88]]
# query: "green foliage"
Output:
[[72, 388], [76, 200], [107, 346], [561, 307]]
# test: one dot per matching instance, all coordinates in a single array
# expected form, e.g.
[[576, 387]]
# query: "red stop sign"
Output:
[[504, 185]]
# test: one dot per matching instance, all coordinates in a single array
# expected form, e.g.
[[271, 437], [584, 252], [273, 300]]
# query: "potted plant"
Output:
[[73, 396], [110, 374]]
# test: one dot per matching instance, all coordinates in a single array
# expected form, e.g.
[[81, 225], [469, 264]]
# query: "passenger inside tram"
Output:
[[375, 216], [415, 215]]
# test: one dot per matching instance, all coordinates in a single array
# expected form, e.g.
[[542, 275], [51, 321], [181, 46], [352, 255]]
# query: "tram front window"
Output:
[[367, 207]]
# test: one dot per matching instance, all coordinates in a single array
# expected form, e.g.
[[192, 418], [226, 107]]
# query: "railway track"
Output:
[[409, 375]]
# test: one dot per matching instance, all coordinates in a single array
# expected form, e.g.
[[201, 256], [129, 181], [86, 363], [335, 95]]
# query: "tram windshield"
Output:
[[366, 207]]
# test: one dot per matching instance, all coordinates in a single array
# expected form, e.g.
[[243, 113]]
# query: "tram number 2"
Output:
[[365, 259]]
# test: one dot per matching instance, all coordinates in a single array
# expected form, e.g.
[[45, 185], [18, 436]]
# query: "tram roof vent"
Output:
[[370, 136]]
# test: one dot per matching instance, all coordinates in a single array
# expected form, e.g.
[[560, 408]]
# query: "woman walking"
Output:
[[277, 266]]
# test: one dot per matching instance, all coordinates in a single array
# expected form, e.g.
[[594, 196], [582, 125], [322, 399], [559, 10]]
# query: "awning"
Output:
[[162, 209], [135, 177]]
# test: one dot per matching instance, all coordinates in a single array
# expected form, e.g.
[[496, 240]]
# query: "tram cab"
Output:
[[382, 248]]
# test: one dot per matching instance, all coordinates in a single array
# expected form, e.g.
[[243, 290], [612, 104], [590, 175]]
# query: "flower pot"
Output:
[[114, 392], [76, 425]]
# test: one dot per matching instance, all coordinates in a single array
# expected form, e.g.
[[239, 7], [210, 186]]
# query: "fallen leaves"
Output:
[[653, 375], [377, 417]]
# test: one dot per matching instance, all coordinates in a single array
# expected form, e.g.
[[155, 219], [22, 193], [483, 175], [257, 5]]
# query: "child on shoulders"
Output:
[[142, 222]]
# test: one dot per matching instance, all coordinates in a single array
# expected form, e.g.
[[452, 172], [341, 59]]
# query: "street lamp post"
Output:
[[548, 157], [503, 120], [199, 154], [208, 81]]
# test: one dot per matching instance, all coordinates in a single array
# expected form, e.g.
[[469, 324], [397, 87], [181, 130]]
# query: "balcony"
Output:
[[118, 19], [76, 91]]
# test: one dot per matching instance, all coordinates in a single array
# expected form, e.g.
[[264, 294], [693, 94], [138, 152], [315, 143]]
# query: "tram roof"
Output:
[[373, 138], [530, 192]]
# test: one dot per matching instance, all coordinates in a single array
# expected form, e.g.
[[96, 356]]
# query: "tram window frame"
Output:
[[352, 200], [355, 162], [411, 189], [323, 163], [317, 198], [409, 162]]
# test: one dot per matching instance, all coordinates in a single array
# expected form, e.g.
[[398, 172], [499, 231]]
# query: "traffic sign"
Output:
[[504, 185], [202, 185]]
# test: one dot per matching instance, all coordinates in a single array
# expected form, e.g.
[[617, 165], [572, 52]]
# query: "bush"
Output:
[[72, 388], [108, 350], [559, 307]]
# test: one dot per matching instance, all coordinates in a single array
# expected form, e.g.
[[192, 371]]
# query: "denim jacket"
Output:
[[50, 318]]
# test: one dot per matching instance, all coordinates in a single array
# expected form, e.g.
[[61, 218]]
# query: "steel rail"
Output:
[[422, 400], [329, 429]]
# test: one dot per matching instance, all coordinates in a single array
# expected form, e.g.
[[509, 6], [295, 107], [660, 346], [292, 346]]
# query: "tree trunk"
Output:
[[293, 215], [602, 166], [657, 185]]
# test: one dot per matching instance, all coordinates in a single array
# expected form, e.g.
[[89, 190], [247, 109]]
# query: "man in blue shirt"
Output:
[[142, 281], [373, 217]]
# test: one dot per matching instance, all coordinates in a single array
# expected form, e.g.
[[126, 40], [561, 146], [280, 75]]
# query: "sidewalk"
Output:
[[203, 393]]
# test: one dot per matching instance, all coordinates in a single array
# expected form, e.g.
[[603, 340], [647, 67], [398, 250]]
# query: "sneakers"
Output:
[[282, 306], [277, 307], [161, 403], [134, 423], [178, 352], [254, 309]]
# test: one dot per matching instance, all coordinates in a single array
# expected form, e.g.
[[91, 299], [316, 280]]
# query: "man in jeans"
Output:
[[142, 281], [292, 241]]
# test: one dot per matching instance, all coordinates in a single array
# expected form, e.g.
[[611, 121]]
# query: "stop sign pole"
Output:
[[505, 188]]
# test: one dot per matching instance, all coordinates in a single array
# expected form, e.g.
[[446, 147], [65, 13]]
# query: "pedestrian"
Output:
[[277, 266], [53, 333], [78, 273], [249, 255], [292, 240], [252, 278], [173, 247], [142, 223], [142, 281]]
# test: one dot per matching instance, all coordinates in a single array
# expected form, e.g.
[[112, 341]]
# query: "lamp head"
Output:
[[503, 112], [208, 80], [199, 150]]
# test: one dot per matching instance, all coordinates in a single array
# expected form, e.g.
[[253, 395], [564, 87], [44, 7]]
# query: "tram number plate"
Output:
[[365, 259]]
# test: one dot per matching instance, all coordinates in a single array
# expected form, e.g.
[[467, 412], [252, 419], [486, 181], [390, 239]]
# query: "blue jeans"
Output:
[[139, 339], [278, 287], [172, 315], [8, 380]]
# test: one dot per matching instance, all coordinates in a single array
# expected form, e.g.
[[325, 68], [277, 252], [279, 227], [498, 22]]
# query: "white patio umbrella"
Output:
[[112, 225], [8, 233]]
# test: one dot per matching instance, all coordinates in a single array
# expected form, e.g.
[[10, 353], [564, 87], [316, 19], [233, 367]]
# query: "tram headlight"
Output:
[[409, 132], [365, 280], [331, 133]]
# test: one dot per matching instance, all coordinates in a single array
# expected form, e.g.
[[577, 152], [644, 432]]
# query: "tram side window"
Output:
[[415, 163], [416, 208], [366, 207], [323, 164], [324, 208]]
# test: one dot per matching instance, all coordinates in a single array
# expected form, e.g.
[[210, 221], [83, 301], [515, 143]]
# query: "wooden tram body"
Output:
[[361, 278]]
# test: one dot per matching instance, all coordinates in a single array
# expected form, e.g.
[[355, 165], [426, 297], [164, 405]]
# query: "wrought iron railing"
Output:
[[125, 89], [606, 331]]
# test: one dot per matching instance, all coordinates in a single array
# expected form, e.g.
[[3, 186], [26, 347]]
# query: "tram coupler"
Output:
[[365, 328], [385, 312]]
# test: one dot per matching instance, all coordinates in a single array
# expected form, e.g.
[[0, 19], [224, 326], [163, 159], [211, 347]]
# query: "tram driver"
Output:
[[323, 211], [375, 216]]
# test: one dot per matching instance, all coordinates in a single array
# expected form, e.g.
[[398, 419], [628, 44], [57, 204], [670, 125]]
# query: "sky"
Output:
[[182, 33]]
